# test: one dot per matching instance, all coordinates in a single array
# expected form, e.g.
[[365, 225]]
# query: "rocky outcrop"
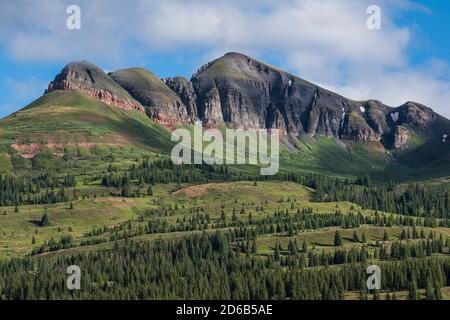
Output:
[[160, 102], [184, 89], [400, 137], [92, 81], [416, 116], [376, 114]]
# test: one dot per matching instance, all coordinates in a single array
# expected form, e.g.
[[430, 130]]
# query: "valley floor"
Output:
[[282, 212]]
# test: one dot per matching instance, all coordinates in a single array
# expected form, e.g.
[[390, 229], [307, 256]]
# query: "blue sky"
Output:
[[323, 41]]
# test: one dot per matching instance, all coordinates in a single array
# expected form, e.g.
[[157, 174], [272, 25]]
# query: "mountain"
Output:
[[92, 81], [243, 92], [69, 130], [161, 103], [321, 130]]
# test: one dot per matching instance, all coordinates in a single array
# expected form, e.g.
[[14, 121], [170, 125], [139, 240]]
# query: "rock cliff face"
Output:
[[184, 89], [416, 116], [240, 92], [401, 137], [161, 103], [92, 81], [243, 92]]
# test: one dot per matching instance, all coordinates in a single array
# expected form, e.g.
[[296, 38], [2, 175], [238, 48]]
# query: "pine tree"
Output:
[[355, 237], [385, 236], [304, 247], [403, 235], [337, 239], [413, 291], [254, 248], [437, 290], [292, 248], [277, 255], [45, 221], [363, 238], [429, 292]]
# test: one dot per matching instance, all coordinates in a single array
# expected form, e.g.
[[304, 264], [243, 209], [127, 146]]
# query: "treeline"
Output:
[[164, 171], [281, 222], [37, 189], [66, 241], [205, 266], [413, 200]]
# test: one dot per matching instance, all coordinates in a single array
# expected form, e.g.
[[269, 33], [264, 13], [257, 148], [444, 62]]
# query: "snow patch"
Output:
[[394, 116], [290, 83], [362, 109], [444, 138]]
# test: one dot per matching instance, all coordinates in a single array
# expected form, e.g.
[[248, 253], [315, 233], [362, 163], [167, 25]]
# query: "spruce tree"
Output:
[[429, 292], [355, 237], [413, 291], [45, 221], [337, 239], [363, 238], [254, 248], [277, 255], [304, 247]]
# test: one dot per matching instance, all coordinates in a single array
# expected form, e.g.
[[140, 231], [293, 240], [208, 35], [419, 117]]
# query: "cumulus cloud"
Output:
[[324, 41]]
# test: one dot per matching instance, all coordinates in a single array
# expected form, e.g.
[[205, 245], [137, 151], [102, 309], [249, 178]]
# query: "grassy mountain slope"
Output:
[[76, 127], [145, 85]]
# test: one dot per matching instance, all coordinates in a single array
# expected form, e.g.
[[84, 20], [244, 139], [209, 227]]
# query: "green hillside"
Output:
[[69, 129]]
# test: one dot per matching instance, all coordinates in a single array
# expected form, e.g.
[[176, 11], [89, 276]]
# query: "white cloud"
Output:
[[324, 41]]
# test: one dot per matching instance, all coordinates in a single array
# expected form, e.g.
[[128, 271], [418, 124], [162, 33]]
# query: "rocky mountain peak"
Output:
[[416, 115], [241, 92], [93, 81]]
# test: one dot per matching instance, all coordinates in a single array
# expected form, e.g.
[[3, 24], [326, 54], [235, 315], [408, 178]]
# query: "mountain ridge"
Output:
[[241, 92], [234, 91]]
